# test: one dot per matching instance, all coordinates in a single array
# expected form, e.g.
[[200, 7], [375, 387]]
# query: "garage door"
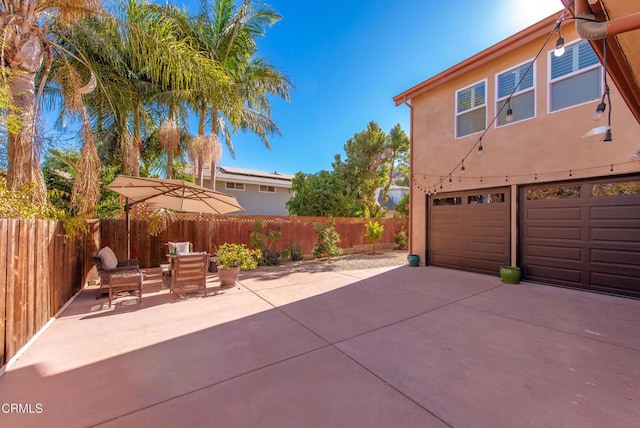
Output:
[[471, 230], [583, 234]]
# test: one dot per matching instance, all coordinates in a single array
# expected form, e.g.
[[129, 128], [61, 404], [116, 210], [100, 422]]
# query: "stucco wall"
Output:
[[545, 148]]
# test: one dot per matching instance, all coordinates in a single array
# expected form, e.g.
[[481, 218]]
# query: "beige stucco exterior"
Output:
[[546, 148]]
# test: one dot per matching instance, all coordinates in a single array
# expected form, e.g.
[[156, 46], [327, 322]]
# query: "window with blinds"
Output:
[[471, 109], [575, 78], [518, 81], [234, 186]]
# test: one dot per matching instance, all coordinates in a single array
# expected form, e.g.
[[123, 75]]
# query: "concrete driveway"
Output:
[[393, 347]]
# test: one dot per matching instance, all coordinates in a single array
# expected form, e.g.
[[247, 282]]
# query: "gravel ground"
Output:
[[344, 262]]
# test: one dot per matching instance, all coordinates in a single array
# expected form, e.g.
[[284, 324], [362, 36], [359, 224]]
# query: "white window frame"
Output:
[[520, 92], [234, 186], [568, 76], [267, 186], [458, 114]]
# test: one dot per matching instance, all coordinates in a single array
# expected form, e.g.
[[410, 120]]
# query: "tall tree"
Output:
[[366, 167], [321, 194], [397, 149], [229, 35], [28, 48]]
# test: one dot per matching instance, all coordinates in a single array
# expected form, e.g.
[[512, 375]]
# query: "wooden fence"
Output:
[[40, 269], [207, 232]]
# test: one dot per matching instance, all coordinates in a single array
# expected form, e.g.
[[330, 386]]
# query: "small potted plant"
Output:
[[510, 274], [296, 252], [232, 258]]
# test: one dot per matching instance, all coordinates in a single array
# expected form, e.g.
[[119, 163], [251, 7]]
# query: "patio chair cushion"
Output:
[[180, 247], [109, 259]]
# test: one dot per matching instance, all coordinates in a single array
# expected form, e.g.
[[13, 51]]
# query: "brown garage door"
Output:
[[583, 234], [471, 230]]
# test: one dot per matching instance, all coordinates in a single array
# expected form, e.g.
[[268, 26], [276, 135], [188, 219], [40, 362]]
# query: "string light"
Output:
[[559, 50], [601, 109], [509, 116]]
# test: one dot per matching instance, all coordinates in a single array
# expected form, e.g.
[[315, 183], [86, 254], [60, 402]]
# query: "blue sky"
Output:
[[348, 58]]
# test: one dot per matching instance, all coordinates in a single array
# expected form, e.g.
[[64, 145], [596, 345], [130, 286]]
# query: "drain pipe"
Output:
[[588, 28], [411, 163]]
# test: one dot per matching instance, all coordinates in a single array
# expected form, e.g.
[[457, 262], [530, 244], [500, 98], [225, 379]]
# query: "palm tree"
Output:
[[141, 62], [29, 48], [229, 36]]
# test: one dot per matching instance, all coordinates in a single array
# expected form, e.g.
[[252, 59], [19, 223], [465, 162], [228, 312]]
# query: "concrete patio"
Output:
[[393, 347]]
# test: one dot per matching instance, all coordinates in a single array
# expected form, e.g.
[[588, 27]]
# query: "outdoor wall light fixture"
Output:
[[462, 168], [480, 148]]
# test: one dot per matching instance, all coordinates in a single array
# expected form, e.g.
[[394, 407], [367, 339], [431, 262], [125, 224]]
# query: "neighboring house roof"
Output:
[[391, 204], [250, 176]]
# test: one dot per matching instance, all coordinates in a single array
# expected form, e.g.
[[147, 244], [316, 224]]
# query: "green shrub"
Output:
[[401, 239], [230, 255], [328, 238], [374, 233], [264, 242]]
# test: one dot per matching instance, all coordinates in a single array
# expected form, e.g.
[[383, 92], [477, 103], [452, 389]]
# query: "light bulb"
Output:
[[559, 51], [599, 113], [509, 116]]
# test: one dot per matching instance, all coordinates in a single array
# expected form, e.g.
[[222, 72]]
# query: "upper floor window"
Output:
[[234, 186], [268, 189], [471, 109], [575, 77], [518, 81]]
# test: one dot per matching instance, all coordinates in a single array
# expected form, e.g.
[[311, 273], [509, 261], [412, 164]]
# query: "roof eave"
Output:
[[521, 38]]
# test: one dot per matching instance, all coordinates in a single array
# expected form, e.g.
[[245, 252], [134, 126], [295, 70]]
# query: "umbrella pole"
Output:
[[127, 207]]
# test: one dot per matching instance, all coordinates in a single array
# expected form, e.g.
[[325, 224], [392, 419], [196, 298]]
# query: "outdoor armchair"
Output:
[[117, 276], [189, 273]]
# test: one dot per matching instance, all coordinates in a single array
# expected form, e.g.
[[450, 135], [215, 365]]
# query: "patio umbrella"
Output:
[[176, 195]]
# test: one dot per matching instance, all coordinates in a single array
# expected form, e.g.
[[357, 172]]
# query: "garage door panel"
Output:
[[613, 283], [450, 246], [574, 233], [589, 242], [554, 252], [565, 275], [481, 264], [617, 234], [555, 214], [447, 260], [618, 212], [487, 232], [487, 247], [473, 235]]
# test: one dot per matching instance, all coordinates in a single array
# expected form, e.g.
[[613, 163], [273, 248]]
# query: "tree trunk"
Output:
[[215, 158], [24, 166], [137, 144], [200, 163]]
